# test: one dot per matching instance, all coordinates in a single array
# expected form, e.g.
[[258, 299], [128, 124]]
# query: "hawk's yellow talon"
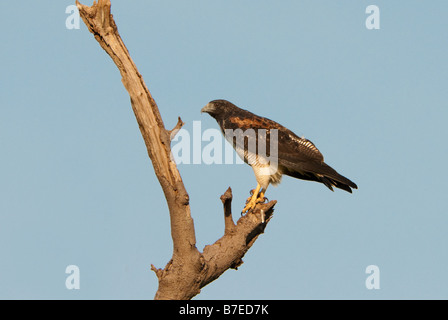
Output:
[[249, 206], [256, 197]]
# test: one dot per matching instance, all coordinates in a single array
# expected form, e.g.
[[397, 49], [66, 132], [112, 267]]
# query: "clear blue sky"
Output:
[[77, 186]]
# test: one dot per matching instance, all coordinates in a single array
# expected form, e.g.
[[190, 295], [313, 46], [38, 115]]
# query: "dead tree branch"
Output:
[[188, 270]]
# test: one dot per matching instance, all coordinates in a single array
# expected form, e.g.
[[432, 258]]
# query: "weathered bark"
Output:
[[188, 270]]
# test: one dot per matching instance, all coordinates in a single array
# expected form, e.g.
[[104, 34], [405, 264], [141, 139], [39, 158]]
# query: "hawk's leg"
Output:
[[252, 200], [261, 197], [257, 196]]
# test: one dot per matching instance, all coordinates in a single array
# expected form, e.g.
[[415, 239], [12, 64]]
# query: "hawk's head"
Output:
[[219, 108]]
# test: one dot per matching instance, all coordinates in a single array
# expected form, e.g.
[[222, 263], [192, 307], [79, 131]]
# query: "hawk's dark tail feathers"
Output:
[[325, 174], [331, 178], [329, 182]]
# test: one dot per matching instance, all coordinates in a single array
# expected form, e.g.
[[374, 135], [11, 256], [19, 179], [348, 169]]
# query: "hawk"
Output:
[[293, 156]]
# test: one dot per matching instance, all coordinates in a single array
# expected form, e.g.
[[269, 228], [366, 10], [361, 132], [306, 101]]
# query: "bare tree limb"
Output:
[[172, 133], [188, 270], [229, 225]]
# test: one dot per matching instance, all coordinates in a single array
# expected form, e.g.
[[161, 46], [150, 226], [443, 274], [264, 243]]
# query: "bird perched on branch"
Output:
[[272, 151]]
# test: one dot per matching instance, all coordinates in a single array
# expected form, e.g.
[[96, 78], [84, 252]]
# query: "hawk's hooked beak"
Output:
[[208, 108]]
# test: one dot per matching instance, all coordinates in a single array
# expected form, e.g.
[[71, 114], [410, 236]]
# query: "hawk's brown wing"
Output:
[[297, 157]]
